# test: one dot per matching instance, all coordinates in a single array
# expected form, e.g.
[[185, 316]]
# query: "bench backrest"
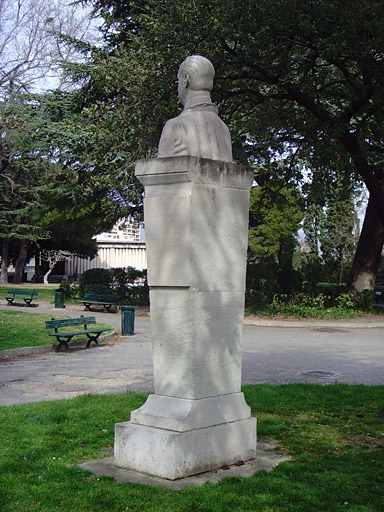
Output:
[[22, 292], [55, 323], [95, 296]]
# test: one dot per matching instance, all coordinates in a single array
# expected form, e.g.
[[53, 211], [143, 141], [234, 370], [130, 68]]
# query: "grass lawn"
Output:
[[22, 329], [335, 435], [46, 292]]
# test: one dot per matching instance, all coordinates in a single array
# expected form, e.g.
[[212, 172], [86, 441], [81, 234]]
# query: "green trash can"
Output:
[[127, 320], [59, 298]]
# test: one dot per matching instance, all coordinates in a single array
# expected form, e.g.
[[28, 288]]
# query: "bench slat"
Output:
[[65, 337], [23, 292], [95, 296], [87, 301], [66, 334], [56, 323]]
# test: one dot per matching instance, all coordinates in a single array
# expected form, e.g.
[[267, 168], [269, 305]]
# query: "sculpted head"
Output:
[[195, 77], [198, 130]]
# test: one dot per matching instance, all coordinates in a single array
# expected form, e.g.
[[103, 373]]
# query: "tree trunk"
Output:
[[37, 266], [368, 252], [51, 267], [341, 268], [20, 263], [4, 262]]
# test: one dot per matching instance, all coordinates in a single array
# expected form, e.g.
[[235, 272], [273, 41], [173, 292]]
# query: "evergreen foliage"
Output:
[[288, 84], [298, 83]]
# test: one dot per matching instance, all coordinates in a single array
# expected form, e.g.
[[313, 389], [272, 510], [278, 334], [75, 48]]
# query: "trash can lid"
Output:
[[128, 308]]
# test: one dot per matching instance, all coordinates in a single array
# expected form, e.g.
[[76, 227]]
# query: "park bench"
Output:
[[64, 337], [107, 301], [26, 295]]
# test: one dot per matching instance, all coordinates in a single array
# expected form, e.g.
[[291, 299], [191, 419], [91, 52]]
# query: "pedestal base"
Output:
[[196, 221], [169, 454]]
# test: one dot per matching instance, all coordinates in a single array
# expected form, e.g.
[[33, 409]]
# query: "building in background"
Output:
[[126, 229], [122, 247]]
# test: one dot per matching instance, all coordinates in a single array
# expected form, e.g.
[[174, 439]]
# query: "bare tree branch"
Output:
[[52, 257], [29, 47]]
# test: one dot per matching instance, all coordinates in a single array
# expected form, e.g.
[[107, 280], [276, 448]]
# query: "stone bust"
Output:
[[198, 130]]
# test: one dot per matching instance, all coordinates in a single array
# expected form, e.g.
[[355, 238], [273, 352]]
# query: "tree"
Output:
[[336, 235], [52, 257], [29, 51], [329, 225], [29, 46], [20, 182], [275, 216], [304, 78], [49, 198]]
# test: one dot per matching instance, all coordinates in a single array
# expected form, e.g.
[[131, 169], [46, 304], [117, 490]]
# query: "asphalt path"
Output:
[[318, 352]]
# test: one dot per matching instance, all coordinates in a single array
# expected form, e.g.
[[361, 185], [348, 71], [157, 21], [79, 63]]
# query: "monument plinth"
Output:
[[196, 222], [196, 225]]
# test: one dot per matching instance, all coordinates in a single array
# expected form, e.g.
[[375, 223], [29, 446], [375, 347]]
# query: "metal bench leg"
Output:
[[61, 343], [93, 338], [65, 342]]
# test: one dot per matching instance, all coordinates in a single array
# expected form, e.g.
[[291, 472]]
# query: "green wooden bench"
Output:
[[107, 301], [26, 295], [64, 337]]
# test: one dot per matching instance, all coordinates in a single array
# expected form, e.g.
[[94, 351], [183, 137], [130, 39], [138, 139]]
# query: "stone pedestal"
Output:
[[196, 222]]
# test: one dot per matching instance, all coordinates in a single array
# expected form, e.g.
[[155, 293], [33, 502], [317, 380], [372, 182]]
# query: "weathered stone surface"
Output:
[[168, 234], [181, 415], [198, 130], [179, 169], [196, 228], [196, 219], [196, 342], [219, 238], [169, 454]]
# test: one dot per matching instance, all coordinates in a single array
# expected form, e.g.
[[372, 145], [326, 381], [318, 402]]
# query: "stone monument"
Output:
[[196, 221]]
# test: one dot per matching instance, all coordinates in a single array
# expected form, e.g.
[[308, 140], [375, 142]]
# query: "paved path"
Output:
[[320, 352]]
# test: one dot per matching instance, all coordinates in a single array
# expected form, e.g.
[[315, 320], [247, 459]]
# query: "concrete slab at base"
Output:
[[171, 455], [267, 459]]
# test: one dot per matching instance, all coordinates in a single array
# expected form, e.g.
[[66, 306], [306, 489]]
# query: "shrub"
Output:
[[256, 299], [128, 284], [290, 280], [95, 280], [345, 301], [71, 291], [262, 281], [304, 306], [332, 290], [367, 300], [265, 280], [300, 305]]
